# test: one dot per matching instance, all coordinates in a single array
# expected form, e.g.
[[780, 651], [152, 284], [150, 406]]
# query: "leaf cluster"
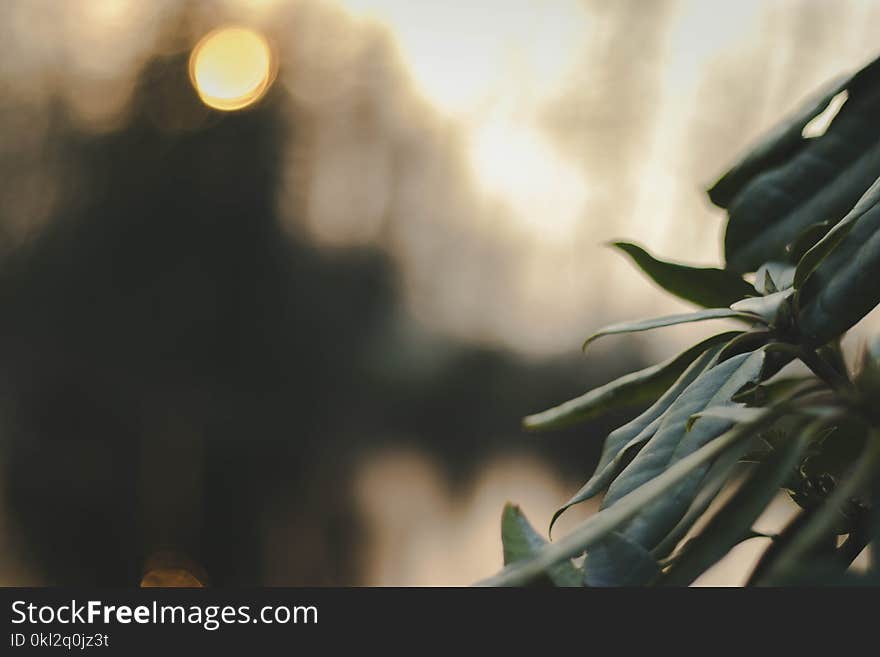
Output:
[[802, 265]]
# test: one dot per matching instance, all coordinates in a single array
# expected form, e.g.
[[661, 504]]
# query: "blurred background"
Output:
[[279, 278]]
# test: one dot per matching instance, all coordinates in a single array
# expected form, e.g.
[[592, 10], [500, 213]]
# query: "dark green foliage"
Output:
[[671, 320], [672, 442], [790, 182], [622, 443], [733, 522], [705, 286], [804, 217], [521, 541], [844, 286], [630, 389]]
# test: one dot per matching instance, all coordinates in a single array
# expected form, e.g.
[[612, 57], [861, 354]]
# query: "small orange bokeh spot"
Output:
[[169, 569], [170, 578]]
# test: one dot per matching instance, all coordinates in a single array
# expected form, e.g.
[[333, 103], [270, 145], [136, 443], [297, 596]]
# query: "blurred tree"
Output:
[[176, 370]]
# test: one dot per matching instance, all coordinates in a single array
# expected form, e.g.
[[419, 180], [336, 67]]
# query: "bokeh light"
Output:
[[172, 569], [170, 578], [231, 68]]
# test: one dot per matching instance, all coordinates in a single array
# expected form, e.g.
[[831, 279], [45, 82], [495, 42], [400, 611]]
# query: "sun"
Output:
[[232, 67]]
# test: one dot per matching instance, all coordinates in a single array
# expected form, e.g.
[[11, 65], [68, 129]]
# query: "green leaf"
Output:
[[716, 477], [732, 413], [671, 443], [670, 320], [776, 146], [750, 414], [774, 391], [752, 340], [767, 307], [628, 390], [843, 288], [595, 528], [732, 523], [705, 286], [642, 567], [769, 240], [624, 441], [807, 239], [712, 388], [521, 541], [815, 255], [819, 179], [774, 276], [781, 539]]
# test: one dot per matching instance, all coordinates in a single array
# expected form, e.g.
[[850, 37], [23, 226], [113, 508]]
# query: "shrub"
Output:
[[802, 254]]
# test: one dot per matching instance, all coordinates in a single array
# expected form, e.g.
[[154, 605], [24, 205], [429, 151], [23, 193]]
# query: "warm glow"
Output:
[[170, 578], [494, 67], [171, 569], [517, 166], [232, 68], [462, 54]]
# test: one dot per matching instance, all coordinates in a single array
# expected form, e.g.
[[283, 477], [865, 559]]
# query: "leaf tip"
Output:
[[553, 520], [589, 341], [531, 423], [511, 508]]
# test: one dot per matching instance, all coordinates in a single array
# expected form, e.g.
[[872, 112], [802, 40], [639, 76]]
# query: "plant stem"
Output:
[[838, 381]]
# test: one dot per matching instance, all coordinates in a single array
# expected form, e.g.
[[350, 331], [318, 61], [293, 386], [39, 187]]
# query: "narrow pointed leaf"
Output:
[[774, 276], [733, 522], [642, 567], [670, 320], [807, 239], [716, 477], [713, 388], [755, 338], [704, 286], [592, 530], [732, 413], [623, 442], [814, 256], [767, 307], [843, 288], [521, 541], [774, 391], [672, 442], [628, 390]]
